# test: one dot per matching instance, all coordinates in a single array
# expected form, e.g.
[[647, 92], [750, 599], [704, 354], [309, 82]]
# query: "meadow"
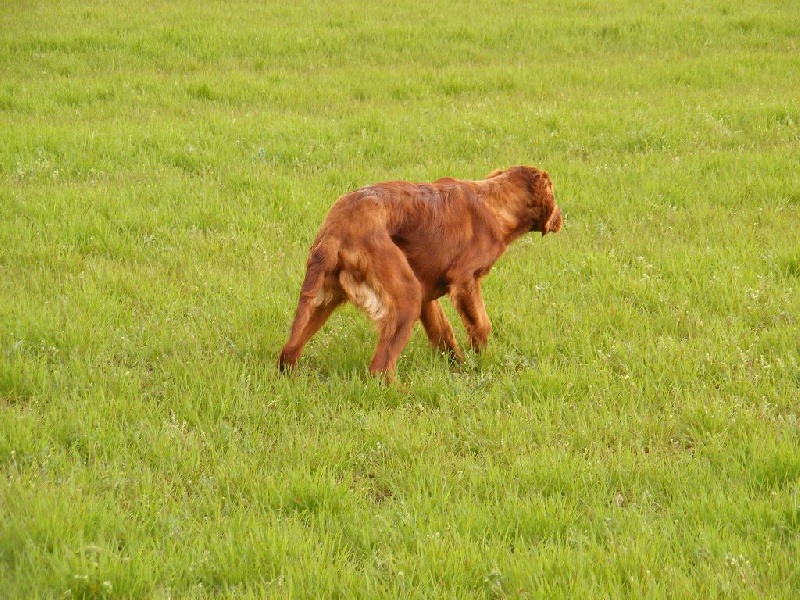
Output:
[[633, 429]]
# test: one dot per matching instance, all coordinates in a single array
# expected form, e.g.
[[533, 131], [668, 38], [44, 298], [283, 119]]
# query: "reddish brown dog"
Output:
[[394, 248]]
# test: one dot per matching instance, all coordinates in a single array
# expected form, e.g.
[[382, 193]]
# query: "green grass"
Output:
[[633, 428]]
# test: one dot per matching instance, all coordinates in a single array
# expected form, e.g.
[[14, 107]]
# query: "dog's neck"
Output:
[[509, 216]]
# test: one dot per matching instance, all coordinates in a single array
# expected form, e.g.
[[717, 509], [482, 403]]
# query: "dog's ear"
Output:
[[543, 195], [494, 173], [554, 222]]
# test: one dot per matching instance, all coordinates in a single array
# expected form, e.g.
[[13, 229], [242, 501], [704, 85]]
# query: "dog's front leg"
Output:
[[439, 331], [467, 299]]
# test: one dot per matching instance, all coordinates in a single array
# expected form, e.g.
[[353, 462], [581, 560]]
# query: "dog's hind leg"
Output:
[[395, 331], [397, 326], [319, 297], [440, 333], [379, 279], [309, 317]]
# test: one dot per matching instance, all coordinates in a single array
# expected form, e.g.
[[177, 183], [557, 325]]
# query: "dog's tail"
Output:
[[322, 261]]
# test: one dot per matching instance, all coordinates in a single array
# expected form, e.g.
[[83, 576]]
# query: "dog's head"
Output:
[[538, 210]]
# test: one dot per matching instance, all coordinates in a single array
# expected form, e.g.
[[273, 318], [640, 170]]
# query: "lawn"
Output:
[[632, 430]]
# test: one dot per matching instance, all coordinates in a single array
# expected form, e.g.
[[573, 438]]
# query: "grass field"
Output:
[[633, 429]]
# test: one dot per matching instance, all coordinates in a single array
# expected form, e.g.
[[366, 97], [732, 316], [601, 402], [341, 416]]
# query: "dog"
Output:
[[393, 249]]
